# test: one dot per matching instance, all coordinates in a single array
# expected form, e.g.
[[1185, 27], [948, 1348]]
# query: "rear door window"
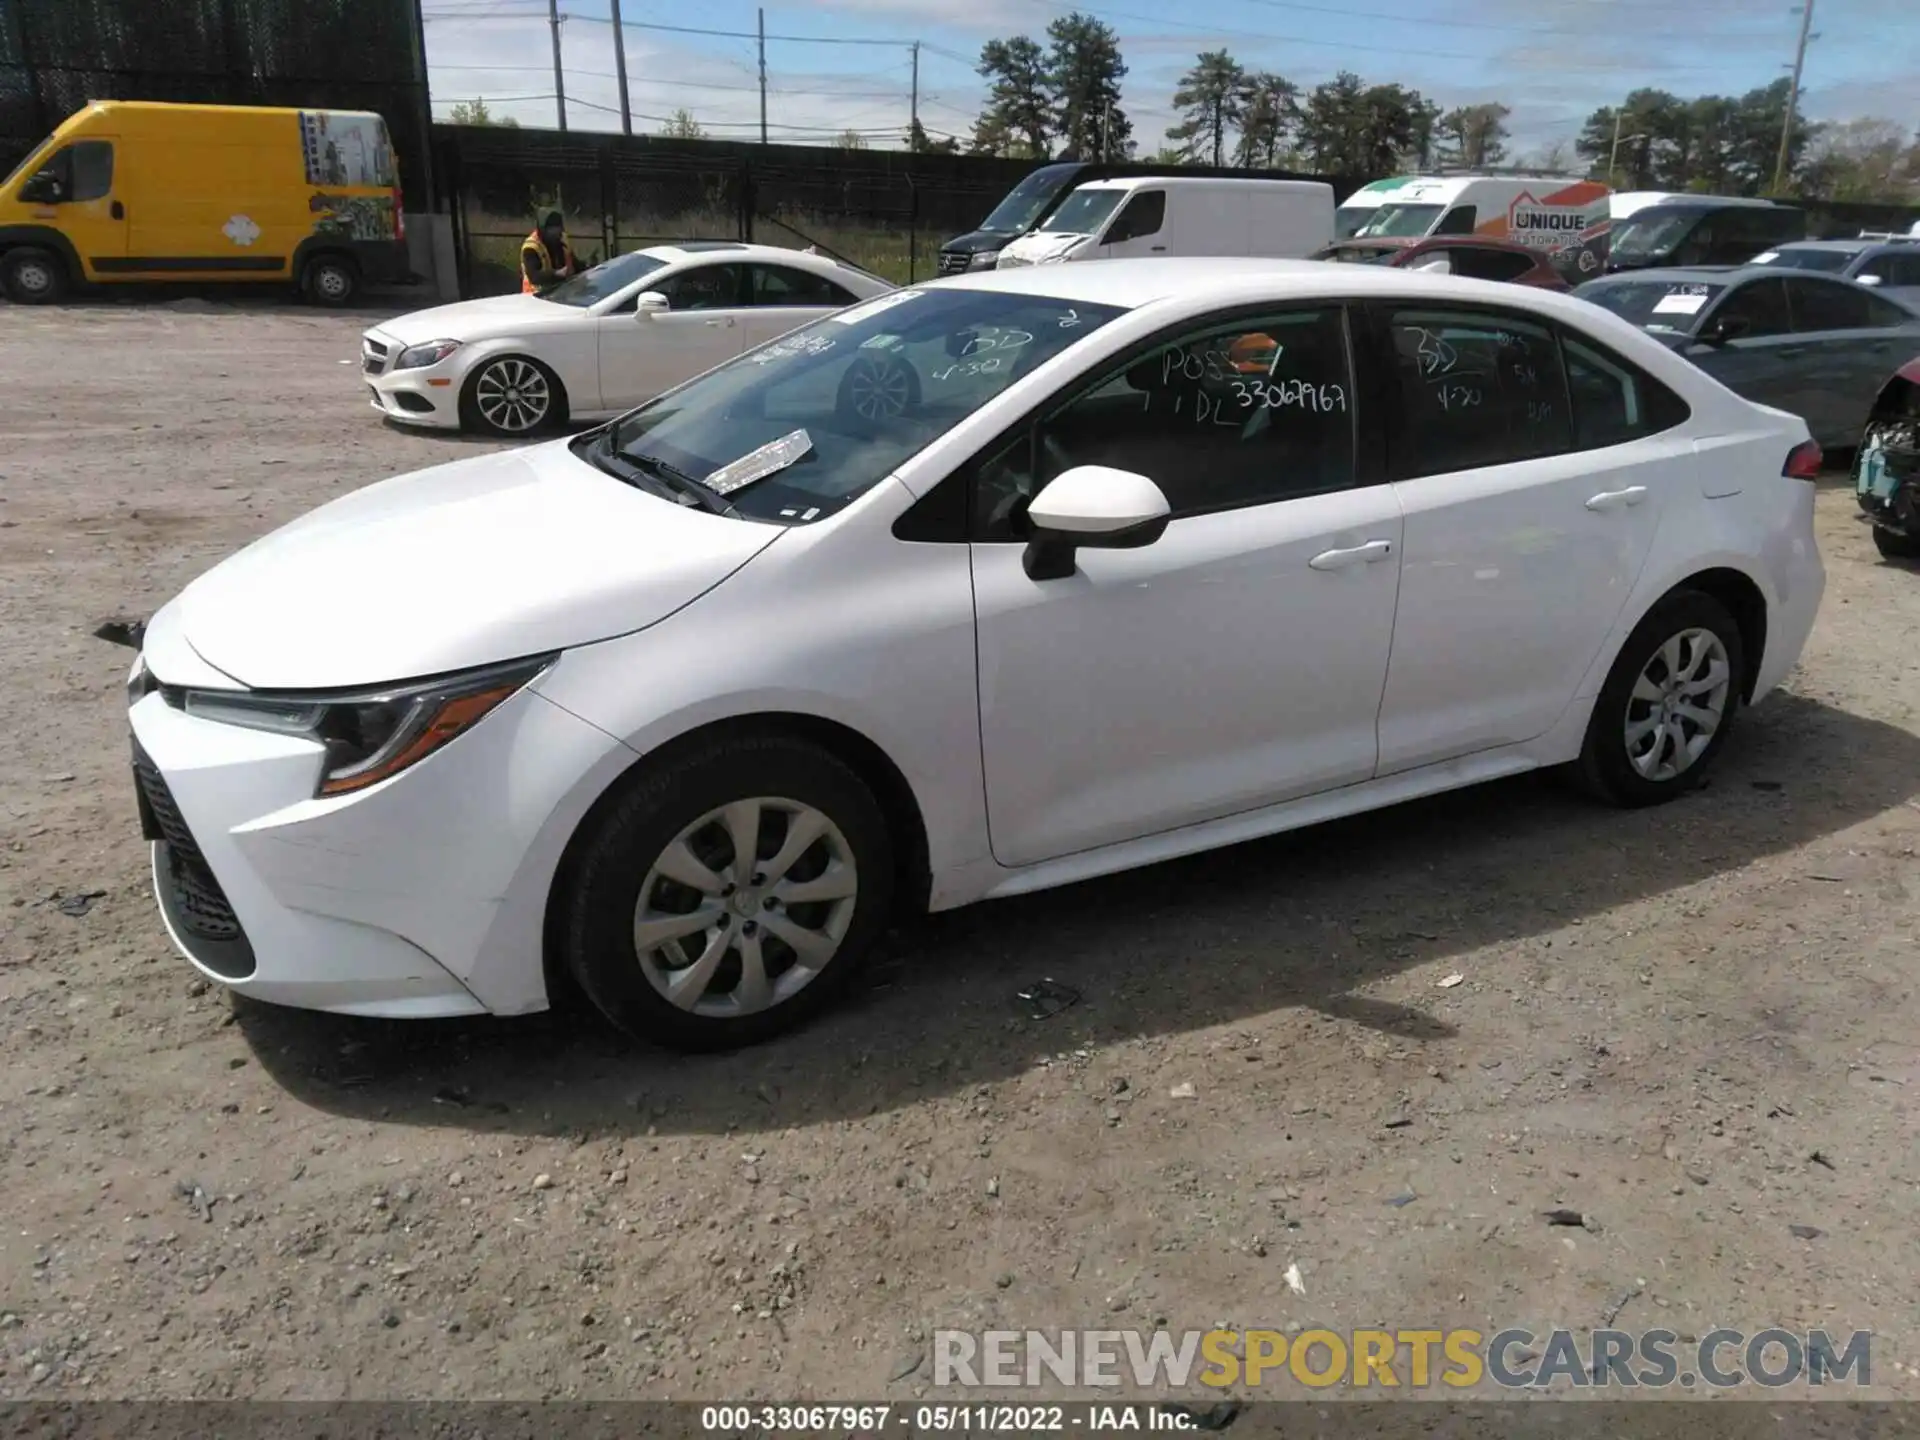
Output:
[[1486, 264], [1820, 305], [1476, 388]]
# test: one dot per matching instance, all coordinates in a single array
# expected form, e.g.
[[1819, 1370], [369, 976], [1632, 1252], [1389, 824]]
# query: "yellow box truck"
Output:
[[132, 191]]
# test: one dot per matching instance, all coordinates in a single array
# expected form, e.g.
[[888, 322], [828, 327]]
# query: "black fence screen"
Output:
[[57, 55], [885, 210]]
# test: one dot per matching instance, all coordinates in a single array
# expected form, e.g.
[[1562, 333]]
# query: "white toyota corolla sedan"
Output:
[[602, 342], [984, 586]]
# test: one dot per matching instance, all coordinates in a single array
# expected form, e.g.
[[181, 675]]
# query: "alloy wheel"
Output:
[[513, 396], [745, 907], [1677, 704]]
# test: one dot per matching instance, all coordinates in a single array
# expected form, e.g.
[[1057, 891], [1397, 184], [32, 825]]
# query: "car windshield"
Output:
[[1401, 221], [1830, 261], [1348, 219], [1015, 214], [606, 279], [1653, 232], [1083, 212], [1673, 306], [1361, 254], [801, 427]]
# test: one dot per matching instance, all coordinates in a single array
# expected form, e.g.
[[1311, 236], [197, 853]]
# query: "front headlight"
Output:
[[984, 260], [418, 357], [372, 735]]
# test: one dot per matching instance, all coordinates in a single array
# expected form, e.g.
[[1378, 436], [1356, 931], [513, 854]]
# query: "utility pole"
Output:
[[1613, 155], [620, 68], [1793, 95], [913, 105], [763, 75], [559, 77]]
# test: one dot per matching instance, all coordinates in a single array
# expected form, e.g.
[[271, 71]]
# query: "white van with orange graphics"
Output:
[[1561, 216]]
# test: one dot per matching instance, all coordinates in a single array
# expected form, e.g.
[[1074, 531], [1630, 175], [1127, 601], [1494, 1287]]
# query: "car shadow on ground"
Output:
[[1306, 919]]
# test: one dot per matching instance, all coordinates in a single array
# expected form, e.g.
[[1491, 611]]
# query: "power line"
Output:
[[670, 29]]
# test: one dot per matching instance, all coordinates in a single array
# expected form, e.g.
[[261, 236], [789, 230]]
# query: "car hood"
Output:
[[467, 564], [975, 241], [475, 319], [1039, 246]]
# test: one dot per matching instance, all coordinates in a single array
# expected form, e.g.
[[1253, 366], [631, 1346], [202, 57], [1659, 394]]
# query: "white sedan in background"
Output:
[[977, 588], [621, 333]]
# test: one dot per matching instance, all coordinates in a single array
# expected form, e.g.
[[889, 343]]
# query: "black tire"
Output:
[[474, 416], [32, 276], [614, 861], [331, 281], [1896, 544], [1605, 766]]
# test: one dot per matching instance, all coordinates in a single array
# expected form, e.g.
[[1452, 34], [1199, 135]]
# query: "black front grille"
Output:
[[373, 356], [952, 262], [199, 904]]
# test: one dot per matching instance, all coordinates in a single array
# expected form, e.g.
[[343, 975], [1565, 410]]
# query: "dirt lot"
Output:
[[1663, 1016]]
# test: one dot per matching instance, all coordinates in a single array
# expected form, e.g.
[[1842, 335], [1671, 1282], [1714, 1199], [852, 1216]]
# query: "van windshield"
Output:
[[1401, 221], [1348, 219], [1015, 214], [26, 165], [1083, 212], [1653, 232]]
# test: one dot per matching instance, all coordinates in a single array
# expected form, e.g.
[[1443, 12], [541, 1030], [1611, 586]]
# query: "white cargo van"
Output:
[[1141, 216]]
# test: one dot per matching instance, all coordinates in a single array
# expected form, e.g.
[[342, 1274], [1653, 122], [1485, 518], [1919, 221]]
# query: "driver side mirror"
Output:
[[43, 189], [1094, 507], [649, 304], [1727, 327]]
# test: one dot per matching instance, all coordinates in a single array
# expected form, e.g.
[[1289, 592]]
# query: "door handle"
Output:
[[1367, 554], [1618, 499], [119, 211], [1158, 248]]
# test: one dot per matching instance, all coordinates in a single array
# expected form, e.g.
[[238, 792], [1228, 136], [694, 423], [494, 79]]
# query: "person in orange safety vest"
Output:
[[545, 256]]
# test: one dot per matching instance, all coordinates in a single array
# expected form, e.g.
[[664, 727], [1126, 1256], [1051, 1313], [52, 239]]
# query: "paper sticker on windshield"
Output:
[[857, 314], [1679, 304], [769, 459]]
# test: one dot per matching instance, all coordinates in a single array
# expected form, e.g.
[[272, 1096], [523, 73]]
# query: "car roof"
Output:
[[1845, 247], [1688, 274], [1199, 281]]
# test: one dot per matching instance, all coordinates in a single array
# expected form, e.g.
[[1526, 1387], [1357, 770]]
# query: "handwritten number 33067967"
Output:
[[1289, 395]]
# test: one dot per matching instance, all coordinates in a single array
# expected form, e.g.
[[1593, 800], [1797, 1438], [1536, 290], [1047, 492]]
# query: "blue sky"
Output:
[[833, 66]]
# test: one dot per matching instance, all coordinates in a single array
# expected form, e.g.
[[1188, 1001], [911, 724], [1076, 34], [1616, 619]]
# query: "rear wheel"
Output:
[[1896, 544], [728, 895], [1668, 703], [32, 276], [332, 281]]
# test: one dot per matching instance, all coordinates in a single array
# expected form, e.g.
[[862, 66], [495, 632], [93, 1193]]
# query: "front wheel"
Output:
[[1896, 544], [1668, 703], [729, 894], [512, 398], [31, 276]]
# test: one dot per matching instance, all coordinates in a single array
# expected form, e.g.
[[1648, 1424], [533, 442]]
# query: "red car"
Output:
[[1469, 255]]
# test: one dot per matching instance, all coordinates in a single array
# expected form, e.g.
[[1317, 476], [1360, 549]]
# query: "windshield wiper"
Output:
[[681, 483], [656, 476]]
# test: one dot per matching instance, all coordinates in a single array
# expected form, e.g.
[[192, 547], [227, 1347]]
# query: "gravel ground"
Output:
[[1663, 1017]]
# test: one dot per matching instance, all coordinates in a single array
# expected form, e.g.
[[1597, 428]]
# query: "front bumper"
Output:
[[422, 896], [427, 396]]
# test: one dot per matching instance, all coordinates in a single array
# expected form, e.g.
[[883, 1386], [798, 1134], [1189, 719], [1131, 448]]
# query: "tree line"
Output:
[[1061, 100]]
